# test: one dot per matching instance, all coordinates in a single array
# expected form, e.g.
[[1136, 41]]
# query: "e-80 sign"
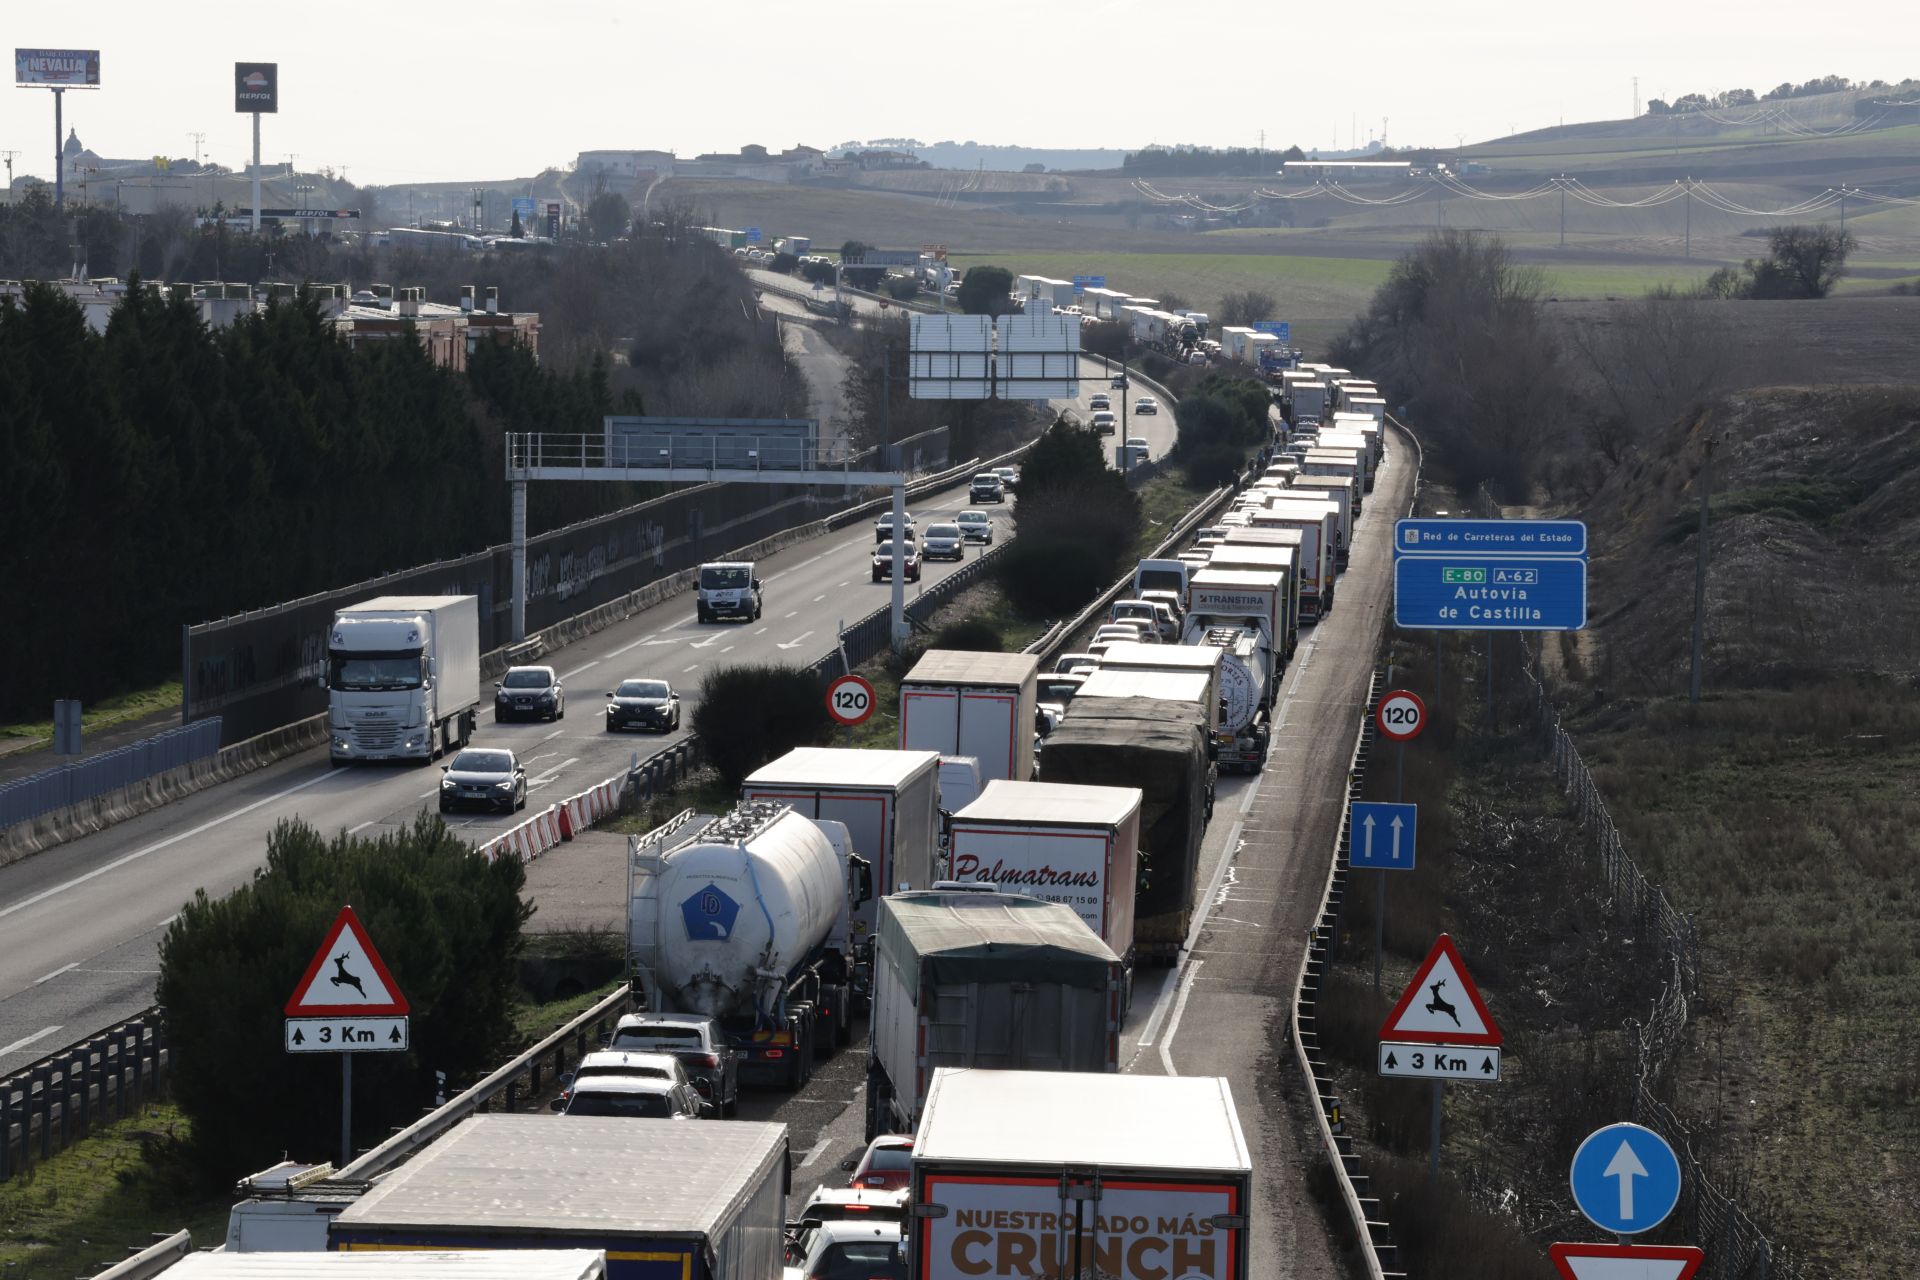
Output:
[[850, 700]]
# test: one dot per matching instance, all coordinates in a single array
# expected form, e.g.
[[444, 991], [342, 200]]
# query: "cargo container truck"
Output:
[[1124, 1177], [971, 978], [1077, 846], [1197, 684], [664, 1200], [1164, 749], [1191, 660], [748, 921], [1349, 462], [1317, 521], [890, 802], [959, 703], [1238, 557], [403, 678], [1336, 489], [556, 1263]]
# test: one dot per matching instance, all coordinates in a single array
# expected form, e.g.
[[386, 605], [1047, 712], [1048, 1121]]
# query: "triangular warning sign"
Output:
[[1626, 1261], [347, 977], [1441, 1005]]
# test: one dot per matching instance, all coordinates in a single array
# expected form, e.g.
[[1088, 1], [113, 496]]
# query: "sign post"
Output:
[[58, 70], [1449, 1036], [256, 92], [356, 1007], [1400, 716], [850, 700]]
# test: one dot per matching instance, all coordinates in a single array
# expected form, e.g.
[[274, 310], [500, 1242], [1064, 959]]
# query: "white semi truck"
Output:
[[403, 678]]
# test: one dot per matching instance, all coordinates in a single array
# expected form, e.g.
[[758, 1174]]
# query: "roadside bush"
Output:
[[817, 272], [1050, 576], [446, 920], [749, 715], [783, 262], [970, 634], [902, 288], [1211, 466]]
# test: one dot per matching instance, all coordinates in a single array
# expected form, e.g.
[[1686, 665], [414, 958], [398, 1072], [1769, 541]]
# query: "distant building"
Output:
[[636, 165], [449, 333]]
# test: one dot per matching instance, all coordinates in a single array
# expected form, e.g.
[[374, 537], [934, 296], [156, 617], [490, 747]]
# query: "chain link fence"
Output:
[[1708, 1215]]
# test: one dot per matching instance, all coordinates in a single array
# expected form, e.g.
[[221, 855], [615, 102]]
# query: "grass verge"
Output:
[[105, 713]]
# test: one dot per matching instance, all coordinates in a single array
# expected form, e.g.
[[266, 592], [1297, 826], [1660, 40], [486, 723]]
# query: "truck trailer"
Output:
[[1125, 1177], [403, 678], [1077, 846], [1240, 557], [968, 977], [749, 921], [958, 703], [1316, 549], [425, 1264], [665, 1200], [1163, 748]]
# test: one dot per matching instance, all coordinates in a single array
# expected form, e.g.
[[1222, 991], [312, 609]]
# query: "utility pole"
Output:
[[1700, 575], [8, 157], [1562, 184], [1689, 190], [198, 138], [1843, 208]]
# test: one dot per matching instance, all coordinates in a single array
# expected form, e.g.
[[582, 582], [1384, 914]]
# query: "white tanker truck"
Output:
[[1246, 694], [747, 922]]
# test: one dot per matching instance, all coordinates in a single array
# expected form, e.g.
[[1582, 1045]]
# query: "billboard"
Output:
[[256, 87], [62, 68]]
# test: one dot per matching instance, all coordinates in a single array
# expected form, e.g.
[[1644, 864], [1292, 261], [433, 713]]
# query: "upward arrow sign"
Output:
[[1368, 824], [1396, 837], [1625, 1166]]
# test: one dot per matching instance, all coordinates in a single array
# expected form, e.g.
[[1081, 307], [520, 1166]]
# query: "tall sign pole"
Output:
[[256, 92], [58, 70]]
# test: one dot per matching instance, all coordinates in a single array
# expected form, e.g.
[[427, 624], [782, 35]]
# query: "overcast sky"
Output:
[[412, 90]]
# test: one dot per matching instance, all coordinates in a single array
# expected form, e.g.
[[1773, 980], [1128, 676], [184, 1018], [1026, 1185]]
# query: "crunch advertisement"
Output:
[[1020, 1229]]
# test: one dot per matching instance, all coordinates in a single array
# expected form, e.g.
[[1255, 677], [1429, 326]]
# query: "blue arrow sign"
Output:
[[1467, 592], [1381, 836], [1625, 1178], [1490, 537], [1281, 329], [753, 235]]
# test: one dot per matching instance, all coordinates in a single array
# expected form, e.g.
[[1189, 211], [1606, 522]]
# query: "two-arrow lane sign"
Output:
[[1381, 837], [1625, 1178]]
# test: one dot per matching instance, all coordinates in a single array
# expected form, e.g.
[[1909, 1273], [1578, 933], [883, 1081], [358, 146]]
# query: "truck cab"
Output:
[[403, 678], [728, 589]]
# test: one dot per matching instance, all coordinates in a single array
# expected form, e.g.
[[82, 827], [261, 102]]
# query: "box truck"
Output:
[[1317, 525], [1164, 749], [1191, 660], [1197, 687], [1127, 1177], [661, 1198], [969, 977], [889, 800], [1337, 490], [1077, 846], [403, 678], [748, 921], [956, 703], [1241, 558], [429, 1264]]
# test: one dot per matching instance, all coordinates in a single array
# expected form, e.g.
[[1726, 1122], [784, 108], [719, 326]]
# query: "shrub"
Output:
[[783, 262], [1213, 465], [1053, 576], [445, 919], [817, 272], [970, 634], [902, 288], [749, 715]]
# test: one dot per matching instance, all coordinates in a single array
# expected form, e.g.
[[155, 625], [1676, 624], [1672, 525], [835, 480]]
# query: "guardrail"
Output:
[[48, 1105], [25, 799]]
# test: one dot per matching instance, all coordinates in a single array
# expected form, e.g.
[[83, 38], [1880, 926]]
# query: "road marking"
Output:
[[1159, 1010], [354, 831], [554, 772], [762, 631], [794, 614], [158, 845], [728, 649], [568, 675], [65, 968], [817, 1150], [424, 795], [635, 645], [796, 642], [818, 599], [1173, 1023], [708, 643], [694, 667], [24, 1041], [551, 736]]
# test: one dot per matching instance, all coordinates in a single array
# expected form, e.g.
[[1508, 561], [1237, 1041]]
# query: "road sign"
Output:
[[1440, 1061], [850, 700], [1380, 837], [1441, 1005], [1490, 537], [1089, 282], [1281, 329], [1400, 716], [348, 1035], [1626, 1261], [347, 978], [1625, 1178], [753, 235], [523, 205], [1466, 591]]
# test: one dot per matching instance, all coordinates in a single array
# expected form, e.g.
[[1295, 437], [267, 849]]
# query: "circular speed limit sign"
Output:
[[1401, 715], [850, 700]]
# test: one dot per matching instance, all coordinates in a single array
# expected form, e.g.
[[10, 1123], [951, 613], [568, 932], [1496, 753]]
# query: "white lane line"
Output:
[[728, 649], [1161, 1003], [796, 642], [794, 614], [551, 736], [762, 631], [568, 675], [635, 645], [694, 667], [354, 831], [424, 795], [1173, 1023], [65, 968], [24, 1041], [158, 845], [818, 599], [817, 1150], [554, 772]]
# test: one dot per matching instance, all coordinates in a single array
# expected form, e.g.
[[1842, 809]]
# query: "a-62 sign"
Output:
[[850, 700]]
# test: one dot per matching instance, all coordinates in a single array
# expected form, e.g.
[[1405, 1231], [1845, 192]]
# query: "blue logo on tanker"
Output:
[[709, 914]]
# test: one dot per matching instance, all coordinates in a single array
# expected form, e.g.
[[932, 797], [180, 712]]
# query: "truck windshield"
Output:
[[372, 671], [646, 1106], [725, 578]]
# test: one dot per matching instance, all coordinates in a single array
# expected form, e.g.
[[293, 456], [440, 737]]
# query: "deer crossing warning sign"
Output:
[[347, 978]]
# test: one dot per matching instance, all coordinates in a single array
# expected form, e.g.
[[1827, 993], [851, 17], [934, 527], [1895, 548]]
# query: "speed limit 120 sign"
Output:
[[850, 700], [1401, 715]]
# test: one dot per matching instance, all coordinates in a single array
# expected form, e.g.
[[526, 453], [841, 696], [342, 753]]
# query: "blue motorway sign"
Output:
[[1474, 592], [523, 205], [1491, 537], [1281, 329], [1381, 836], [753, 235], [1625, 1179], [1089, 282]]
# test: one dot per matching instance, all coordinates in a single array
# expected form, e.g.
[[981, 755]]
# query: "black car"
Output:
[[643, 704], [483, 778], [529, 693]]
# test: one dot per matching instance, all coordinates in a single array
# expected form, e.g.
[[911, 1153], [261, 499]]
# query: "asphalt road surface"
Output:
[[82, 922]]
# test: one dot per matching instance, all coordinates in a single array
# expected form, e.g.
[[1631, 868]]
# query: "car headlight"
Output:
[[502, 696], [448, 784], [505, 784]]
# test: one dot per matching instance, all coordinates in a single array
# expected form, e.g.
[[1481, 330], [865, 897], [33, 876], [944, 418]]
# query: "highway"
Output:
[[82, 922]]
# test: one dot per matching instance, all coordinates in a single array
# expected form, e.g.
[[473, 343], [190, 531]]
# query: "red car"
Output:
[[887, 1165]]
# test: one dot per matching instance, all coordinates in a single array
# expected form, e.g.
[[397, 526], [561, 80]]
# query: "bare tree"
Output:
[[1244, 306], [1649, 362]]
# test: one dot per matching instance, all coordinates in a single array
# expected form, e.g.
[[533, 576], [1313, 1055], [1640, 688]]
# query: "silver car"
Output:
[[697, 1041], [943, 542], [976, 526]]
